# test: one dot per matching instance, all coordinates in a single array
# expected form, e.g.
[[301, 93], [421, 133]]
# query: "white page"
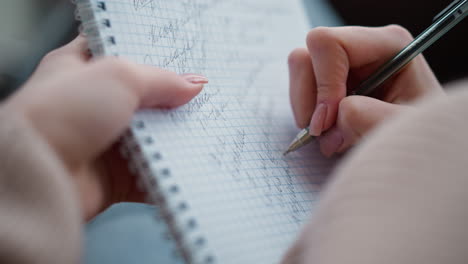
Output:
[[221, 155]]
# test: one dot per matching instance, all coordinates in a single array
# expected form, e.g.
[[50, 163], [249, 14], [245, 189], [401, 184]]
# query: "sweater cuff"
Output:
[[39, 212]]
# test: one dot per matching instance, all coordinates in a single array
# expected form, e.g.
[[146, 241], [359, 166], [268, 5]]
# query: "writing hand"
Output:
[[336, 61], [81, 106]]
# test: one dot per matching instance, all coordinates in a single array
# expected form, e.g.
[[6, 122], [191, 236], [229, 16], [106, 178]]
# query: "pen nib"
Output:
[[302, 139], [295, 145]]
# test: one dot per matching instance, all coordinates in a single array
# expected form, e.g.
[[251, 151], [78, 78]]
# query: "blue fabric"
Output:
[[128, 233]]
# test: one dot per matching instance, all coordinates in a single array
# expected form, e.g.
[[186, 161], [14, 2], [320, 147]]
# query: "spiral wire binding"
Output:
[[139, 149]]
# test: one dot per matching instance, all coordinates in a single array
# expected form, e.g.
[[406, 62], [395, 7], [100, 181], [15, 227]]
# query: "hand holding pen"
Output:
[[339, 60]]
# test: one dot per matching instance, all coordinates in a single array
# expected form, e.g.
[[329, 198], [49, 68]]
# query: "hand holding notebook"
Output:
[[81, 106]]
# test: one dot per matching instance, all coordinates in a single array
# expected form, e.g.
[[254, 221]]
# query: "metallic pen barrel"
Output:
[[302, 139]]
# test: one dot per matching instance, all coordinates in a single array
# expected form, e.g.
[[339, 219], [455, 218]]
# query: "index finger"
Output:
[[335, 52]]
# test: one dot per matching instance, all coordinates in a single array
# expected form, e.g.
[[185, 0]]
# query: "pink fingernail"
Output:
[[318, 120], [331, 142], [195, 78]]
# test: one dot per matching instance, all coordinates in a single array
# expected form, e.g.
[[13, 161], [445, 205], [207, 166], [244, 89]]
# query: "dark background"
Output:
[[448, 57], [31, 28], [28, 30]]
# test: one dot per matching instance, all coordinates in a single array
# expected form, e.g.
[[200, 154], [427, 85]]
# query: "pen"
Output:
[[443, 22]]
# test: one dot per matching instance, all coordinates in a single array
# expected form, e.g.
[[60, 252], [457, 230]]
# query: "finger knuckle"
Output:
[[298, 56], [319, 35], [330, 90], [117, 68], [400, 32], [349, 110]]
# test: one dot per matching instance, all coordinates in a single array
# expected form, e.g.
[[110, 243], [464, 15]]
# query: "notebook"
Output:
[[215, 166]]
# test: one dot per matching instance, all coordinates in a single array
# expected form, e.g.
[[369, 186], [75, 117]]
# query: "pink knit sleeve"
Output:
[[39, 212], [401, 197]]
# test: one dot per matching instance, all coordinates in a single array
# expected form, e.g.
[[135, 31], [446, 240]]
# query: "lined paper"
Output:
[[218, 160]]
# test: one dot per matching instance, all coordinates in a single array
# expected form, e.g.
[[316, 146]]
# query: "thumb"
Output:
[[357, 116]]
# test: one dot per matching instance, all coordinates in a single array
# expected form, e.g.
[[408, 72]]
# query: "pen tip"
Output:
[[302, 139]]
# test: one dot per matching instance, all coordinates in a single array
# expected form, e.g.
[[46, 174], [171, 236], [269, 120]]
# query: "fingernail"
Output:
[[331, 142], [318, 120], [195, 78]]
